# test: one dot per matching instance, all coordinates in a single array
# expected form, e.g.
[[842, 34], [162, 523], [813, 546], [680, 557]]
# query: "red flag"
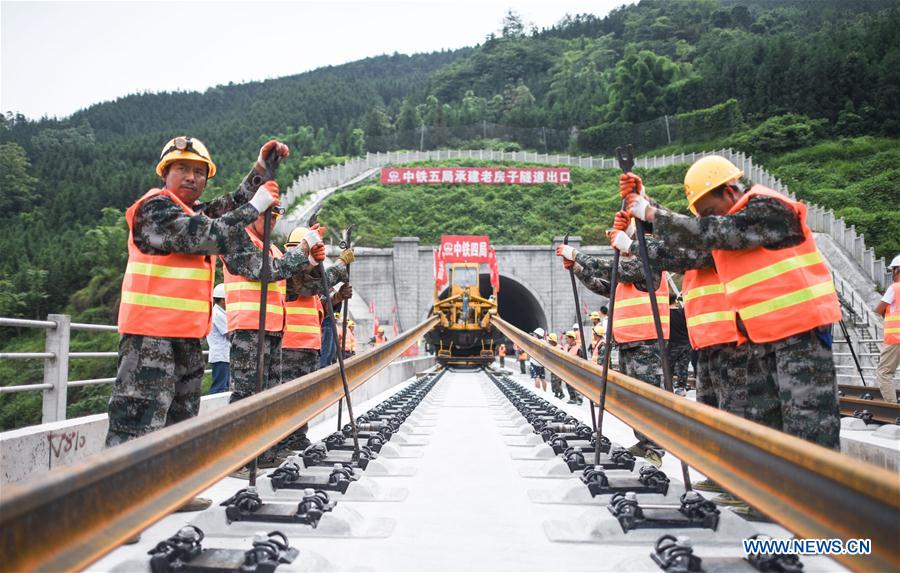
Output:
[[394, 320], [440, 269]]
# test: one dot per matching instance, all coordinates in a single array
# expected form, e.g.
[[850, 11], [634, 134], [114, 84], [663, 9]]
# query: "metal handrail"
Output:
[[90, 508], [810, 490]]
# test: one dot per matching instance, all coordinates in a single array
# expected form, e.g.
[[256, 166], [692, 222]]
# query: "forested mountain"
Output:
[[767, 77]]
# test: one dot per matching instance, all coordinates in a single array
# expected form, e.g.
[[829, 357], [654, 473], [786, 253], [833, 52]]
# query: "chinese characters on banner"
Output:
[[465, 249], [474, 176]]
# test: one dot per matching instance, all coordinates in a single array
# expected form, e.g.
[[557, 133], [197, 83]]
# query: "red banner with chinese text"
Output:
[[465, 249], [474, 176]]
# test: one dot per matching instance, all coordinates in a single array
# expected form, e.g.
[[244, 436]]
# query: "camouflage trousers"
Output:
[[297, 362], [792, 387], [243, 362], [706, 392], [641, 360], [556, 385], [157, 384], [679, 361], [728, 378]]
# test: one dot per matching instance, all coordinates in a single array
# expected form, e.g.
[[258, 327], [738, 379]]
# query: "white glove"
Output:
[[567, 252], [262, 200], [312, 238], [639, 207], [622, 242]]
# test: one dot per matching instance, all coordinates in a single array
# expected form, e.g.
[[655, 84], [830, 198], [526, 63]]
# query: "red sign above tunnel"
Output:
[[474, 176]]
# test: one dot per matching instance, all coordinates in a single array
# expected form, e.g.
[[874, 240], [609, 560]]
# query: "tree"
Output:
[[408, 123], [16, 185], [513, 27]]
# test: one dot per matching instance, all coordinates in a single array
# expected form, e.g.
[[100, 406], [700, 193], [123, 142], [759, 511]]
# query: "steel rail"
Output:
[[812, 491], [857, 391], [70, 517], [884, 412]]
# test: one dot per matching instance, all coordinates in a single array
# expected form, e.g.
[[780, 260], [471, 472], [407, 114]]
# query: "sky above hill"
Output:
[[59, 57]]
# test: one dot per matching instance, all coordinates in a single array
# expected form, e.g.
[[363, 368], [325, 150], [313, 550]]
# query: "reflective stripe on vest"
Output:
[[168, 296], [778, 293], [633, 320], [242, 298], [710, 319], [304, 323], [892, 318]]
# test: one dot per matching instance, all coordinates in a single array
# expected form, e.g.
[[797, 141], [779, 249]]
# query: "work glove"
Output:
[[620, 240], [637, 205], [281, 149], [568, 254], [265, 197], [346, 291], [321, 229], [630, 183], [317, 254], [621, 221], [346, 256]]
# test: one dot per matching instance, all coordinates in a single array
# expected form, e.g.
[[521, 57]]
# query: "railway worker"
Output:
[[633, 332], [598, 334], [521, 356], [380, 338], [595, 318], [304, 312], [679, 347], [575, 350], [538, 373], [501, 354], [776, 281], [165, 309], [219, 347], [351, 338], [889, 308], [555, 381]]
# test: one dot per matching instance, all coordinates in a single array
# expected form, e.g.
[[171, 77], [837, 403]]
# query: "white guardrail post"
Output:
[[56, 369]]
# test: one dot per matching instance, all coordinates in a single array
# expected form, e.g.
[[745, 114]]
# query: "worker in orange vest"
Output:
[[521, 356], [574, 349], [501, 354], [774, 279], [379, 338], [350, 347], [633, 328], [889, 308], [166, 303], [166, 298]]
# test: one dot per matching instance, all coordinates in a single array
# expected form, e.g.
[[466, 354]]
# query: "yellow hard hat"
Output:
[[552, 337], [570, 333], [380, 330], [295, 237], [184, 147], [599, 330], [706, 174], [595, 314], [337, 316], [350, 323]]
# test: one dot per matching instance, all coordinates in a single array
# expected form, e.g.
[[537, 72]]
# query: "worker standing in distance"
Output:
[[501, 354], [522, 357], [775, 279], [889, 308], [351, 338], [219, 347], [537, 371], [166, 304], [633, 328], [380, 338], [555, 381], [574, 349]]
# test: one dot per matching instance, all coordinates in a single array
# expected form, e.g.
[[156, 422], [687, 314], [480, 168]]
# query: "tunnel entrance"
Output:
[[517, 305]]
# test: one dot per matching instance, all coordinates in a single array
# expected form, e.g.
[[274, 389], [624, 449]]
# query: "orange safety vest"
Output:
[[303, 323], [892, 318], [167, 296], [778, 293], [634, 318], [380, 339], [351, 340], [242, 298], [710, 319]]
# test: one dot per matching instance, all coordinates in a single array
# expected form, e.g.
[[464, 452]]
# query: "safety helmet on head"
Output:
[[539, 332], [552, 337], [350, 323], [595, 314], [187, 148], [380, 330], [599, 331], [296, 237], [219, 291], [706, 174], [896, 262], [570, 334], [337, 316]]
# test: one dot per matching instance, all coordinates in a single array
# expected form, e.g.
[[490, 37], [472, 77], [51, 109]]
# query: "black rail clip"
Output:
[[183, 553], [694, 511], [246, 505], [676, 555], [864, 415]]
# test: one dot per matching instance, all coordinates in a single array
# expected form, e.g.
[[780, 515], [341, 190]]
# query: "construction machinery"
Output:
[[464, 335]]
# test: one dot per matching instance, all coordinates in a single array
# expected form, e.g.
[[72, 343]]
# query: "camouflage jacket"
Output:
[[763, 222], [593, 272], [308, 281], [161, 227], [247, 261], [663, 257]]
